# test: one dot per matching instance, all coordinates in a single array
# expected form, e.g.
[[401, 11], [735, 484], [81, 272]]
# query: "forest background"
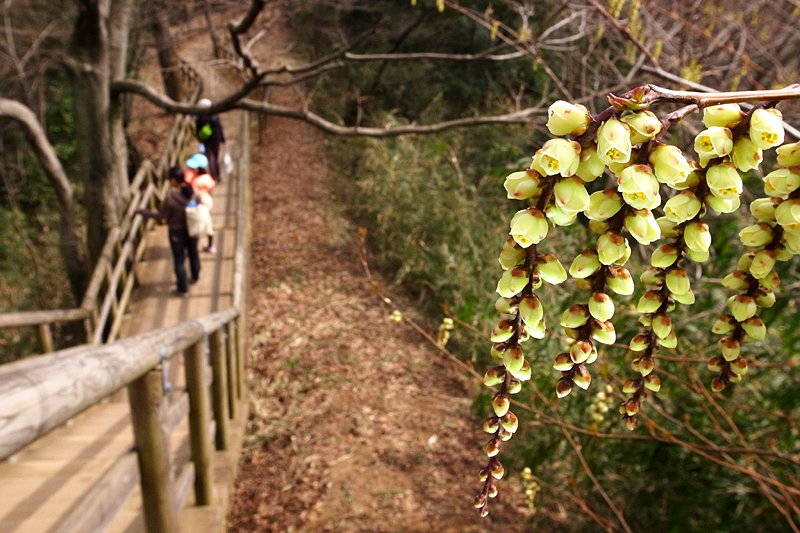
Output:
[[436, 215]]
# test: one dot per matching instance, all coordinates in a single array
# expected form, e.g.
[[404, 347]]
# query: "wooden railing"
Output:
[[109, 289], [39, 394]]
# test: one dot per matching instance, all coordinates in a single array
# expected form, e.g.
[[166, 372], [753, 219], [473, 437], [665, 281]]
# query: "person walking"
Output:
[[208, 130], [202, 182], [173, 211]]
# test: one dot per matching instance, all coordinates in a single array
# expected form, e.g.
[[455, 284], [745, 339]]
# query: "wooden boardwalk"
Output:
[[41, 486]]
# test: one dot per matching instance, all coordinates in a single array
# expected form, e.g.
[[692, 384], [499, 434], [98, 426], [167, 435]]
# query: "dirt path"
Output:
[[357, 423]]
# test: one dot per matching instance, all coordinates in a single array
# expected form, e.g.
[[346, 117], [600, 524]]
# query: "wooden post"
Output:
[[240, 354], [194, 362], [145, 395], [219, 388], [233, 370], [47, 338]]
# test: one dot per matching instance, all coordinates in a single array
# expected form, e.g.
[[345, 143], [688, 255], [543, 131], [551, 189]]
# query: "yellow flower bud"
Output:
[[697, 236], [531, 310], [563, 388], [603, 205], [664, 256], [716, 364], [582, 377], [601, 306], [739, 365], [724, 181], [563, 362], [581, 350], [613, 142], [782, 181], [619, 280], [510, 422], [639, 187], [742, 307], [653, 276], [729, 347], [494, 376], [570, 194], [644, 125], [500, 403], [511, 255], [682, 207], [550, 269], [764, 297], [603, 332], [756, 235], [737, 280], [613, 249], [668, 228], [687, 298], [724, 324], [649, 302], [671, 340], [669, 164], [791, 240], [505, 306], [788, 215], [639, 343], [524, 373], [503, 331], [523, 185], [746, 155], [590, 167], [677, 281], [558, 156], [764, 208], [722, 115], [713, 142], [763, 263], [586, 264], [789, 155], [722, 205], [662, 325], [642, 226], [564, 118], [512, 282], [528, 226], [755, 328], [560, 217], [766, 128]]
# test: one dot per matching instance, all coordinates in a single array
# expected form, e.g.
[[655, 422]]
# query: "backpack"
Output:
[[198, 220], [204, 133]]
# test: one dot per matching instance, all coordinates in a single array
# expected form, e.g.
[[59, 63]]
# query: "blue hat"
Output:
[[197, 161]]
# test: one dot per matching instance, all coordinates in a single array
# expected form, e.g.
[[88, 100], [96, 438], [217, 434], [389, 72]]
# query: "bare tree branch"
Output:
[[235, 101]]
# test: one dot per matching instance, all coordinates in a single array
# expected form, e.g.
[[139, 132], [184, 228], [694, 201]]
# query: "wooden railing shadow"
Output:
[[108, 293]]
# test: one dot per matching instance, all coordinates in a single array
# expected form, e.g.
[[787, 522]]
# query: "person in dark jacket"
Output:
[[208, 130], [173, 211]]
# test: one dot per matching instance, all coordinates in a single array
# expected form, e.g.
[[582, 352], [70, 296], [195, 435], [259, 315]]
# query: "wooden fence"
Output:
[[194, 369], [109, 289]]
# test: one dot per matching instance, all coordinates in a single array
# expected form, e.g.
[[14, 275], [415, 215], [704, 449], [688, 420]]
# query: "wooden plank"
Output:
[[34, 318], [100, 505]]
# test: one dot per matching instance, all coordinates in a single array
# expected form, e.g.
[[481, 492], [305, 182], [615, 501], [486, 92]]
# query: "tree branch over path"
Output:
[[233, 102]]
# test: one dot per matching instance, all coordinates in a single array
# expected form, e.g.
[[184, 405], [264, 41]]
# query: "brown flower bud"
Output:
[[493, 447]]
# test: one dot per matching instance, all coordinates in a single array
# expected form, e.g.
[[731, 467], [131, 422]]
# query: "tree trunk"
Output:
[[99, 47], [167, 56]]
